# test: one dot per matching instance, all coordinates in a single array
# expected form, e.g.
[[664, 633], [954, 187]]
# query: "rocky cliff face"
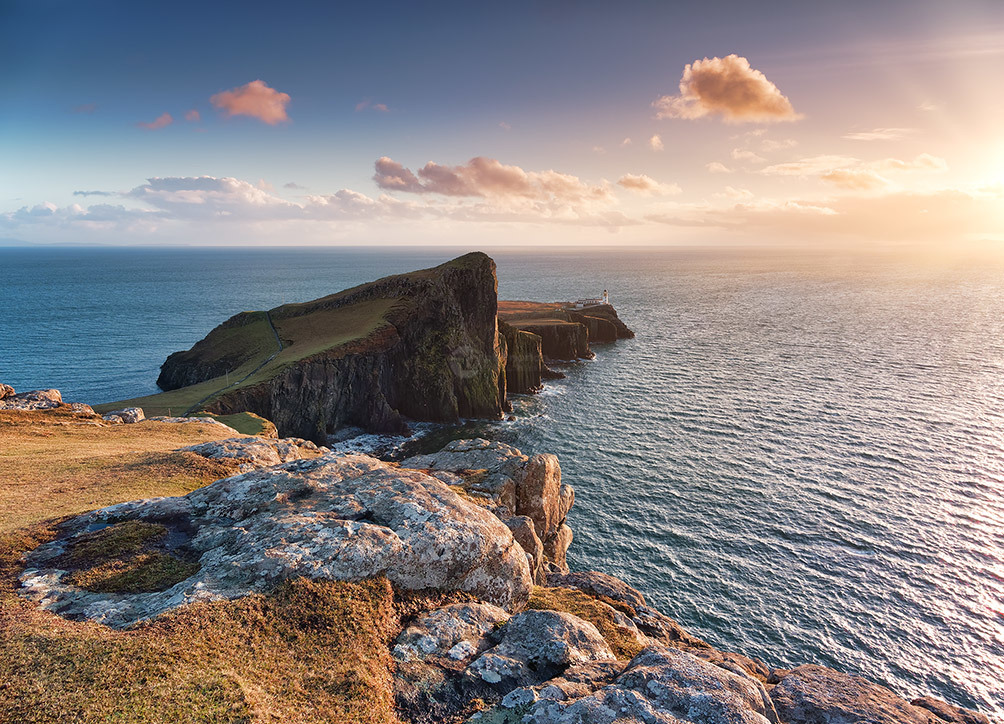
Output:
[[435, 354], [560, 341]]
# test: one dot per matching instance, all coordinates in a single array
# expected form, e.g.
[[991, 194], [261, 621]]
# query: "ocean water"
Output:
[[800, 456]]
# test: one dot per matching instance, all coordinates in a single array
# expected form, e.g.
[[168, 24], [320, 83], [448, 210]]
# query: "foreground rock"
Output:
[[335, 517], [128, 415], [818, 695], [252, 453], [524, 491], [33, 400]]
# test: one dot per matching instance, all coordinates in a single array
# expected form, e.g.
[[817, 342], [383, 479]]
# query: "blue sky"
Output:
[[893, 108]]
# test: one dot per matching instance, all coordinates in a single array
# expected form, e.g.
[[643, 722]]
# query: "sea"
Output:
[[799, 457]]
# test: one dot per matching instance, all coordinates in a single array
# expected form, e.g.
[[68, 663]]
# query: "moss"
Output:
[[621, 639], [121, 539], [142, 573]]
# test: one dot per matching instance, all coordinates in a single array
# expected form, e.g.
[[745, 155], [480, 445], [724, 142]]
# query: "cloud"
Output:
[[164, 119], [769, 144], [366, 103], [853, 173], [295, 186], [193, 115], [647, 186], [929, 106], [254, 99], [655, 143], [726, 87], [505, 126], [731, 192], [718, 167], [880, 134], [94, 193], [739, 154], [485, 177], [943, 217], [626, 142], [85, 108]]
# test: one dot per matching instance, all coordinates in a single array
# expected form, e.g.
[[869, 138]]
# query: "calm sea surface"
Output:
[[800, 456]]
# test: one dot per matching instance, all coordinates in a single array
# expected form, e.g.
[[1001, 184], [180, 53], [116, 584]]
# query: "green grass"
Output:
[[305, 329], [246, 423]]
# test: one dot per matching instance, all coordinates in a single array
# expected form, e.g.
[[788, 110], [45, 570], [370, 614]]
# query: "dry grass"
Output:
[[57, 463], [589, 608], [307, 652]]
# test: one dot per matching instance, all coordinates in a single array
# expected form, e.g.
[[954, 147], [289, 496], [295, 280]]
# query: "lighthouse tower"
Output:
[[606, 297]]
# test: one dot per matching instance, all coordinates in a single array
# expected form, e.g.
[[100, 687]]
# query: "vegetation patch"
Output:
[[54, 465], [123, 558], [246, 423], [589, 608], [307, 652]]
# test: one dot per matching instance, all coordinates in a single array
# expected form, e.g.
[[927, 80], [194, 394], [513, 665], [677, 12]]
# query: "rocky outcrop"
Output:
[[818, 695], [33, 400], [253, 453], [524, 366], [335, 517], [434, 354], [513, 486], [560, 340], [600, 330], [128, 415], [6, 391]]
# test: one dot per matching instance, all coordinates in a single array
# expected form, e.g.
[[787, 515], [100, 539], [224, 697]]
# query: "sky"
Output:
[[526, 123]]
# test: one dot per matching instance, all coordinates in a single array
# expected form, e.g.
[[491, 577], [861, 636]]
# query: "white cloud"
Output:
[[718, 167], [739, 154], [880, 134], [655, 142]]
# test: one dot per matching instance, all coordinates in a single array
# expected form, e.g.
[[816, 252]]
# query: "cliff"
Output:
[[566, 333], [423, 345]]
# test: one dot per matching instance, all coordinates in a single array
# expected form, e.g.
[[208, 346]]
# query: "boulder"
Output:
[[813, 694], [659, 686], [335, 517], [33, 400], [948, 713], [257, 452], [512, 484], [524, 533], [6, 391], [128, 415]]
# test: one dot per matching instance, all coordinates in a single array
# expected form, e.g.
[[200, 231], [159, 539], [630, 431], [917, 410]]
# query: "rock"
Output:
[[256, 452], [514, 484], [524, 367], [559, 340], [335, 517], [202, 420], [598, 584], [813, 694], [946, 712], [659, 686], [454, 633], [128, 415], [536, 645], [435, 354], [524, 533], [600, 330], [81, 408], [6, 391], [33, 400]]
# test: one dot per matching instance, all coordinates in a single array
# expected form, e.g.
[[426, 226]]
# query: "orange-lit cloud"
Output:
[[739, 154], [655, 143], [718, 167], [193, 115], [852, 173], [164, 119], [485, 177], [647, 186], [880, 134], [254, 99], [726, 87]]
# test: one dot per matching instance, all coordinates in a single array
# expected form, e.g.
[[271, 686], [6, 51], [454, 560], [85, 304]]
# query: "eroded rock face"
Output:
[[512, 484], [33, 400], [334, 517], [818, 695], [253, 453], [662, 686], [128, 415]]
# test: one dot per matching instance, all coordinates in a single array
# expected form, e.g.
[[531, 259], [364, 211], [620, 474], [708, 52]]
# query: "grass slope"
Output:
[[305, 330], [306, 652]]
